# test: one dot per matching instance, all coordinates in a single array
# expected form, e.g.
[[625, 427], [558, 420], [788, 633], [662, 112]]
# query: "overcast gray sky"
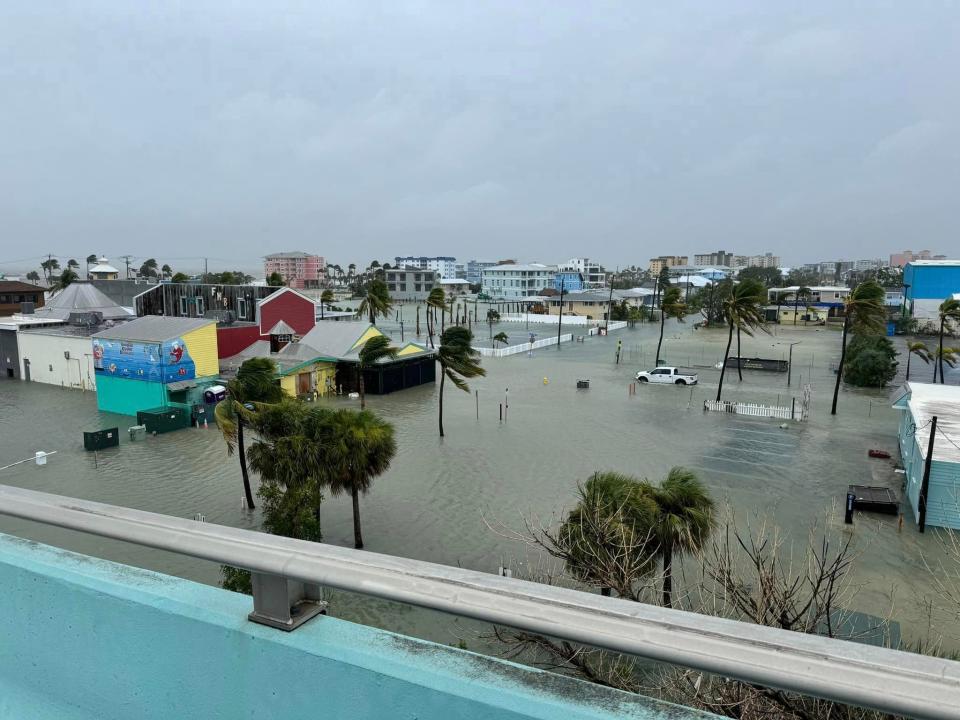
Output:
[[536, 130]]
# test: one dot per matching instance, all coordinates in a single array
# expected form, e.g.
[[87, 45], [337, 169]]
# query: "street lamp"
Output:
[[790, 361]]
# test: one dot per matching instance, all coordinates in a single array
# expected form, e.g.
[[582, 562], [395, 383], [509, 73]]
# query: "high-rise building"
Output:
[[720, 258], [446, 267], [298, 269], [767, 260], [665, 261], [901, 259]]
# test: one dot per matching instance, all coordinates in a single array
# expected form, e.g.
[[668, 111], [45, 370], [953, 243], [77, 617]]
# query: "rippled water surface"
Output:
[[436, 501]]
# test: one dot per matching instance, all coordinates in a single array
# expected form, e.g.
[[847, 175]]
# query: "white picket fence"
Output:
[[614, 325], [753, 409], [523, 347]]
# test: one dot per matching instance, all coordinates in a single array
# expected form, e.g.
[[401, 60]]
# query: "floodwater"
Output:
[[440, 496]]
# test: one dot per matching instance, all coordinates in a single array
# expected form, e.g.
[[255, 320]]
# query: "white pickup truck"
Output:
[[672, 375]]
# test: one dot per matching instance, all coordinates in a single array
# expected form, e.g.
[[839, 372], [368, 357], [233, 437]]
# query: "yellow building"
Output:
[[326, 360]]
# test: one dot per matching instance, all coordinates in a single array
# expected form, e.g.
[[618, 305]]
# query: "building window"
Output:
[[200, 307], [241, 307], [183, 307], [392, 287]]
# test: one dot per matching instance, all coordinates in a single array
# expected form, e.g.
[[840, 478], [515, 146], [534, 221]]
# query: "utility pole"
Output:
[[560, 314], [127, 259], [925, 484], [610, 309]]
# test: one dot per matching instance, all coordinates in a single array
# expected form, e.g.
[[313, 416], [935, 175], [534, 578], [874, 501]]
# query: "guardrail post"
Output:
[[282, 603]]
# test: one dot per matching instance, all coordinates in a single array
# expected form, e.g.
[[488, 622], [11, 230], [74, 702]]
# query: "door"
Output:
[[303, 384], [660, 375], [26, 369]]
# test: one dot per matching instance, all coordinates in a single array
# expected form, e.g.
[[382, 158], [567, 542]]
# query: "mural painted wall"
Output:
[[164, 362]]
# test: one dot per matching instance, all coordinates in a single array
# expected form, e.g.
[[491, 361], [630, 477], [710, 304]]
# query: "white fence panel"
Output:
[[753, 410], [523, 347]]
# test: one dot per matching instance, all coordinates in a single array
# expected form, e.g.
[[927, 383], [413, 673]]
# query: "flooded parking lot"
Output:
[[439, 495]]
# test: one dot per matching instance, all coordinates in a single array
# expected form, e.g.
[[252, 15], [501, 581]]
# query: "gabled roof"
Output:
[[154, 328], [82, 297], [281, 291], [281, 328], [334, 339]]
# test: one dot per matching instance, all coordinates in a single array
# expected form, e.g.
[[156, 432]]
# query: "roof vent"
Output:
[[85, 319]]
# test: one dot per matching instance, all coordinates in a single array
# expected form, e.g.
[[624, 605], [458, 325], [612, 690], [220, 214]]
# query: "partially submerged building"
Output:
[[52, 343], [14, 294], [154, 362], [928, 283], [919, 403], [326, 360]]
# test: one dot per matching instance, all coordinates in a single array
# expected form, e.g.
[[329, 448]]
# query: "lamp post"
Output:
[[790, 362]]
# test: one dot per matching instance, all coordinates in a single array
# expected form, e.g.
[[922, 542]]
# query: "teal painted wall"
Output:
[[85, 638], [126, 397], [943, 495]]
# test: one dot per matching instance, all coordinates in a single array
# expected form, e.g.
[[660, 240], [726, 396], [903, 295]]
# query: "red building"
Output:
[[286, 305]]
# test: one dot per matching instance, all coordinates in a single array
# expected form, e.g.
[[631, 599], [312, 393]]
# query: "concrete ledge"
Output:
[[82, 637]]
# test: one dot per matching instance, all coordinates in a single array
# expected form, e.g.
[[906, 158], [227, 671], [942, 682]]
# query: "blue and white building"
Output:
[[928, 283], [475, 267], [919, 403]]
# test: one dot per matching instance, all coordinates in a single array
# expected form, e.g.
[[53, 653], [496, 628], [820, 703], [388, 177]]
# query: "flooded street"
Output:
[[435, 502]]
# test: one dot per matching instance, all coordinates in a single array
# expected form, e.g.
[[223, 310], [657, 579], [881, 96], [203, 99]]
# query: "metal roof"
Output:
[[82, 297], [281, 328], [154, 328], [927, 400]]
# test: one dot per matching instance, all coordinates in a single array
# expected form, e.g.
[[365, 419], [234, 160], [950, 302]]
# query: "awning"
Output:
[[181, 385]]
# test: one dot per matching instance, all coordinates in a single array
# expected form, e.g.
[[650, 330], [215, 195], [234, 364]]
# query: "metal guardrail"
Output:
[[289, 571]]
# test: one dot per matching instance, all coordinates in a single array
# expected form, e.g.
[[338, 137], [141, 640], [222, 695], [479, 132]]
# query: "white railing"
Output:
[[548, 319], [523, 347], [287, 571], [752, 409]]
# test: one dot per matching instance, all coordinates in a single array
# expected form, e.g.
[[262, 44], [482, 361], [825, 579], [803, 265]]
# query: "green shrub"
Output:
[[871, 361]]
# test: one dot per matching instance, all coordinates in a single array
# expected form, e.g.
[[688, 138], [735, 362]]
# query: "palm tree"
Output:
[[949, 313], [865, 313], [919, 349], [607, 539], [33, 276], [376, 301], [946, 355], [684, 519], [373, 351], [501, 337], [91, 260], [326, 297], [254, 382], [804, 295], [436, 299], [671, 306], [458, 361], [149, 268], [779, 296], [167, 271], [49, 266], [743, 309], [361, 448], [72, 264], [67, 277]]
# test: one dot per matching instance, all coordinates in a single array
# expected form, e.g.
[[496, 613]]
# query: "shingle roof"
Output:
[[334, 339], [154, 328], [17, 286]]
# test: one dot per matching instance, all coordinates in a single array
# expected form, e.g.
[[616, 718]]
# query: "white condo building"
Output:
[[513, 282], [445, 267]]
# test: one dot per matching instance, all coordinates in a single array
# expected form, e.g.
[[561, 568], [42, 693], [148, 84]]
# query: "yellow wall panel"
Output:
[[409, 350], [202, 346], [288, 383], [371, 332]]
